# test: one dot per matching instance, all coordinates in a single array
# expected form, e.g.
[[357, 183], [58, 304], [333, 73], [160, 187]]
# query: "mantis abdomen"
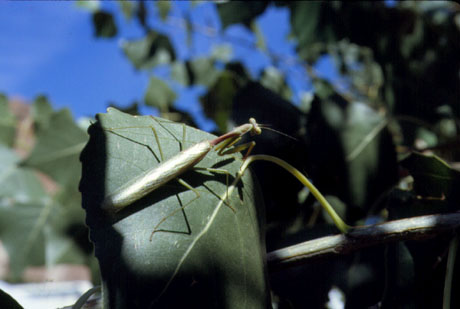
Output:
[[156, 177]]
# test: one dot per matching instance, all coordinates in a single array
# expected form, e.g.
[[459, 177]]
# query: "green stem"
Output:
[[341, 225]]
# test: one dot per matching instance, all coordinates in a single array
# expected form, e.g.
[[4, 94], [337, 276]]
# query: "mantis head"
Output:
[[256, 129]]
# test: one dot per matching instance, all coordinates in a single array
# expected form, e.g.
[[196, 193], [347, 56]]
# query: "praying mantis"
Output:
[[172, 168]]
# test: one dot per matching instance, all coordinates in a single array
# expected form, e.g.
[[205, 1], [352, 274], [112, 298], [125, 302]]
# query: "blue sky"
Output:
[[48, 47]]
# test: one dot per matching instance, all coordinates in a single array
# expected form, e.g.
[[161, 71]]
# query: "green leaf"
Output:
[[127, 8], [150, 51], [7, 122], [260, 39], [104, 25], [202, 71], [311, 24], [42, 112], [57, 149], [132, 109], [179, 73], [17, 184], [199, 71], [33, 233], [304, 21], [433, 178], [22, 227], [240, 12], [22, 213], [34, 228], [222, 52], [164, 7], [274, 80], [206, 255], [91, 6], [159, 94]]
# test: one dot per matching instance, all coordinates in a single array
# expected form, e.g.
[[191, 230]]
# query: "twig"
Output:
[[416, 228]]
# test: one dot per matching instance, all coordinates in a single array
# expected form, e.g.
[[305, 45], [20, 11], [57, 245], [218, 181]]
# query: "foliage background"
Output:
[[398, 92]]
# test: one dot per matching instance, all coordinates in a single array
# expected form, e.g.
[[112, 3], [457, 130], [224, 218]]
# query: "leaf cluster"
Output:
[[42, 222], [399, 94]]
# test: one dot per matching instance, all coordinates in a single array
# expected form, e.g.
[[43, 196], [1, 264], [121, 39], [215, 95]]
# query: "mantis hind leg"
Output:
[[185, 184], [197, 195]]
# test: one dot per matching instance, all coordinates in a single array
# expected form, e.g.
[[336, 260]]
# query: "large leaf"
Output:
[[30, 221], [7, 122], [57, 149], [206, 255]]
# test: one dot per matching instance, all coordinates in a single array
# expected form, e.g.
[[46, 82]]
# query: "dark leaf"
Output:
[[399, 277], [312, 23], [354, 156], [240, 12], [434, 179], [217, 102], [284, 214], [141, 14], [104, 25]]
